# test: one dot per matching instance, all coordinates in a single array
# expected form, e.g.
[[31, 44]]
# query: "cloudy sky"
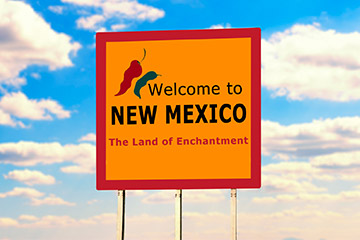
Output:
[[310, 122]]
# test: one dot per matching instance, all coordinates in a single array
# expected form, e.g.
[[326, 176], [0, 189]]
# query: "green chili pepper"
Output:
[[143, 81]]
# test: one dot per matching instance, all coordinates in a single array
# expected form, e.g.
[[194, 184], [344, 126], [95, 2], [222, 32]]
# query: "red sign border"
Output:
[[253, 182]]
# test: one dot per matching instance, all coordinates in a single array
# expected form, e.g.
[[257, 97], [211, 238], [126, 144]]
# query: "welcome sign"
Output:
[[178, 109]]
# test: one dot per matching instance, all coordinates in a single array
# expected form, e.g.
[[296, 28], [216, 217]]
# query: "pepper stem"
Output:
[[144, 55]]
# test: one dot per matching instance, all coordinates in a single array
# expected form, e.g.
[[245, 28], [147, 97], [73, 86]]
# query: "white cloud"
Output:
[[220, 26], [337, 160], [15, 82], [132, 9], [303, 222], [35, 75], [22, 192], [336, 166], [298, 170], [308, 62], [93, 22], [8, 222], [56, 9], [345, 166], [118, 27], [36, 197], [135, 193], [160, 197], [105, 218], [331, 145], [100, 30], [95, 3], [7, 120], [295, 213], [52, 200], [30, 177], [32, 153], [51, 221], [319, 137], [93, 201], [28, 218], [20, 106], [216, 225], [189, 196], [311, 197], [275, 183], [292, 170], [204, 196], [26, 39], [90, 137], [117, 11]]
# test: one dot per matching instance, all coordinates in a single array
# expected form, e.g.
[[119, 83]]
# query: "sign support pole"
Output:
[[233, 214], [178, 214], [120, 221]]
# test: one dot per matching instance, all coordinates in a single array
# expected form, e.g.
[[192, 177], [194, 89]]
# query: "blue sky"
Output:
[[310, 127]]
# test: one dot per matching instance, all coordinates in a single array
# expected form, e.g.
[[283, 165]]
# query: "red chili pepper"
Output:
[[132, 72]]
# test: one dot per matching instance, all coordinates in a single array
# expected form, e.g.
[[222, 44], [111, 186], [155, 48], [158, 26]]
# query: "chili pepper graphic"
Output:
[[143, 81], [132, 72]]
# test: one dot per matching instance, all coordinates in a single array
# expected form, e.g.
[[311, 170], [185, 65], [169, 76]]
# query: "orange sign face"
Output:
[[178, 109]]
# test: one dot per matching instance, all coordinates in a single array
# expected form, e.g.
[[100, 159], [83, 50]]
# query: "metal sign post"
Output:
[[178, 214], [233, 214], [120, 222]]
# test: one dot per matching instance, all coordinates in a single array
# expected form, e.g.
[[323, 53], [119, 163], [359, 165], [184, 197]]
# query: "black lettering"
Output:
[[130, 114], [188, 112], [193, 90], [221, 113], [201, 113], [213, 117], [115, 114], [229, 86], [215, 88], [181, 93], [158, 90], [237, 91], [239, 120], [168, 89], [202, 87], [148, 114], [173, 114]]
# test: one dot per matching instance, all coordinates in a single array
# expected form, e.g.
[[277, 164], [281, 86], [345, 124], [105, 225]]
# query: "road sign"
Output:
[[178, 109]]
